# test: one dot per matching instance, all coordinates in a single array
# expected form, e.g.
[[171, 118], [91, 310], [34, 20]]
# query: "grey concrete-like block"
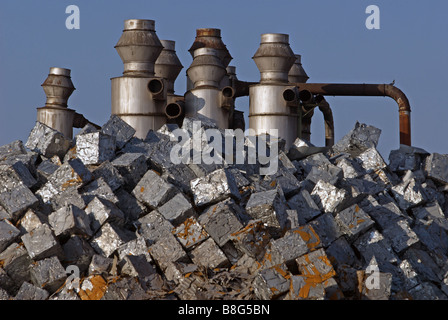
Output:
[[406, 158], [209, 255], [177, 209], [180, 175], [70, 220], [340, 252], [136, 247], [214, 187], [327, 197], [290, 246], [41, 243], [221, 220], [373, 244], [136, 266], [48, 274], [153, 191], [30, 292], [400, 235], [47, 141], [328, 173], [109, 238], [350, 168], [12, 149], [253, 239], [95, 148], [15, 196], [101, 211], [8, 233], [315, 160], [119, 129]]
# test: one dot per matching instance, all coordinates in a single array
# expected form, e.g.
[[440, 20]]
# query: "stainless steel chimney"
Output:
[[139, 97], [206, 98], [272, 103], [58, 87]]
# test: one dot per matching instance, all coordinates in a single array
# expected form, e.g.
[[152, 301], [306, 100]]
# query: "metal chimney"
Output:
[[297, 73], [58, 87], [273, 103], [206, 98], [139, 97], [168, 65]]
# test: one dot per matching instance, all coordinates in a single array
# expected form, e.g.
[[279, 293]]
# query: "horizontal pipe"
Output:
[[242, 88], [334, 89]]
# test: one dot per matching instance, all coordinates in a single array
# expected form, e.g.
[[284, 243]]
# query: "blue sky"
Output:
[[411, 47]]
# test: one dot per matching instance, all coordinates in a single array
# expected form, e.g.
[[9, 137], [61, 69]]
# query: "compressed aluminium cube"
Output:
[[8, 233], [41, 243], [189, 233], [221, 220], [98, 188], [30, 292], [48, 274], [95, 147], [132, 167], [47, 141], [109, 238], [409, 193], [153, 227], [101, 211], [167, 250], [353, 221], [371, 160], [327, 197], [17, 263], [119, 129], [153, 191], [209, 255], [436, 167], [70, 220], [110, 174], [305, 206], [78, 252], [269, 207], [177, 209], [15, 196], [326, 228], [214, 187], [272, 282], [359, 139], [316, 266], [73, 173]]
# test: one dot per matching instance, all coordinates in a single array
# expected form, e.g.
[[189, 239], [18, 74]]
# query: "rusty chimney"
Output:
[[273, 102], [139, 97], [58, 87]]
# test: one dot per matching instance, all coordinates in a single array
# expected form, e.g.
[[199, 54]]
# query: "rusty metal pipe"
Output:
[[337, 89]]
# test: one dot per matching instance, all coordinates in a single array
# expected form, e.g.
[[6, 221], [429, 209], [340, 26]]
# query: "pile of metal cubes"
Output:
[[109, 216]]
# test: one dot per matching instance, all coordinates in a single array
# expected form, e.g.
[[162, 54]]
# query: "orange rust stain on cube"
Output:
[[99, 288], [142, 189]]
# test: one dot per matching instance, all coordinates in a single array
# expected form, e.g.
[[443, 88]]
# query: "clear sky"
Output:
[[411, 47]]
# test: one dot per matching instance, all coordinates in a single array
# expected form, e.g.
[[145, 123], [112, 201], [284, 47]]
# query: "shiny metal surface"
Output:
[[139, 46], [207, 101], [297, 73], [168, 65], [269, 110], [58, 118], [133, 102], [206, 68], [274, 58]]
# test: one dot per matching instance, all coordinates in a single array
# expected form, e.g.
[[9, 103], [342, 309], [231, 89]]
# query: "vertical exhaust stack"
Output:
[[273, 103], [58, 87], [139, 96], [207, 98], [168, 67]]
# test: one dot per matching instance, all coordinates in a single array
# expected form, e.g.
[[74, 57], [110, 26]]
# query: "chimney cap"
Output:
[[139, 24]]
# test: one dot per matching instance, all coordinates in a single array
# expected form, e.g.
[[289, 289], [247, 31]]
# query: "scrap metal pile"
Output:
[[109, 216]]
